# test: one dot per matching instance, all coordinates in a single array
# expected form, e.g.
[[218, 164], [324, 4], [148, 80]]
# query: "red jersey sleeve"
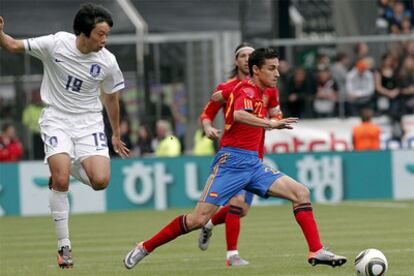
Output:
[[212, 107], [243, 99], [210, 110], [226, 91], [273, 97], [274, 103]]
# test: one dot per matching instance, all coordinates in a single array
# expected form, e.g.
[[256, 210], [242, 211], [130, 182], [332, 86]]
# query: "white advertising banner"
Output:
[[333, 134], [403, 174], [34, 192]]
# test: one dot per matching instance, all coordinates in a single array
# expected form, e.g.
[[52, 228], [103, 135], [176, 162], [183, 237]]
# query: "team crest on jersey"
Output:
[[95, 70]]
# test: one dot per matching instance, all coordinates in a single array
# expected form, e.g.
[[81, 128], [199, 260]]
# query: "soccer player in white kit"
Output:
[[77, 68]]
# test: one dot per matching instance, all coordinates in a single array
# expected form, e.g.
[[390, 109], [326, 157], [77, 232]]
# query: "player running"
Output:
[[237, 166], [76, 69], [240, 204]]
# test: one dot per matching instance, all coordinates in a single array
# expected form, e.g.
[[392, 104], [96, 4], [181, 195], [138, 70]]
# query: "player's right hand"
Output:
[[212, 132]]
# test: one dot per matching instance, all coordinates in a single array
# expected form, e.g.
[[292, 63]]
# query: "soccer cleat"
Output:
[[323, 256], [235, 260], [135, 256], [204, 238], [64, 257]]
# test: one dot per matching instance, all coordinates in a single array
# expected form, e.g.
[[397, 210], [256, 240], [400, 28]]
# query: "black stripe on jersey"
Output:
[[118, 84], [28, 44]]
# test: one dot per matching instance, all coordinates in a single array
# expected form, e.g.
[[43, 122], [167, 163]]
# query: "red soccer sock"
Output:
[[304, 216], [175, 228], [220, 216], [233, 227]]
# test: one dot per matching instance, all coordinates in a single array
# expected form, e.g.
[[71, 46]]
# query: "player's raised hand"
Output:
[[119, 147], [283, 123], [212, 132]]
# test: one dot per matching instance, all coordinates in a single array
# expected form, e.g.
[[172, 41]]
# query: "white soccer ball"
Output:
[[371, 262]]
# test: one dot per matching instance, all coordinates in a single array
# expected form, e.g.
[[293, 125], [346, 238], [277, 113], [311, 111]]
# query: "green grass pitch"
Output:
[[270, 239]]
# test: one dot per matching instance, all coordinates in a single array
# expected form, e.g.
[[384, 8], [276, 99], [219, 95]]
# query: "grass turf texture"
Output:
[[270, 239]]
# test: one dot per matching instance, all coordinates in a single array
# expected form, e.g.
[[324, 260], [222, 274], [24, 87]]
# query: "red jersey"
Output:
[[212, 108], [246, 96], [270, 100]]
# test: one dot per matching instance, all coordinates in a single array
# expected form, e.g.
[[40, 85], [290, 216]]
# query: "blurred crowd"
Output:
[[338, 87], [350, 85], [395, 16]]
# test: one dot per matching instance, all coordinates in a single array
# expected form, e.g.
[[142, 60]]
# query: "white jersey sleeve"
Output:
[[114, 80], [39, 47], [72, 81]]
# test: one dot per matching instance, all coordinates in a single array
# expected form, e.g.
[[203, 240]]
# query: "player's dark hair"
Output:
[[88, 16], [259, 56], [235, 68]]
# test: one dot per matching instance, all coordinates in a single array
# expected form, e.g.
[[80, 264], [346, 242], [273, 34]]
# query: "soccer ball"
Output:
[[371, 262]]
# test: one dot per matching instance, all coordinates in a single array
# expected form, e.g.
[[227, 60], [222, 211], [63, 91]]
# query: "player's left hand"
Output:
[[283, 123], [119, 147]]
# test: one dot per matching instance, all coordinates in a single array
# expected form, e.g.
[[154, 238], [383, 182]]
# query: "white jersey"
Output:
[[72, 81]]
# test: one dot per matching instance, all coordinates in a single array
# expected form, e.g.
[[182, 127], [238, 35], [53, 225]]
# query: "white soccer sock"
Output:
[[59, 205], [209, 224], [231, 253], [78, 172]]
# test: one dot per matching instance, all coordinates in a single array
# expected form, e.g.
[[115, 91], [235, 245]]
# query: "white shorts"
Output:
[[78, 135]]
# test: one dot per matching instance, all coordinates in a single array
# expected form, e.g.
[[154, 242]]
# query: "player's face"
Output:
[[98, 36], [268, 74], [242, 61]]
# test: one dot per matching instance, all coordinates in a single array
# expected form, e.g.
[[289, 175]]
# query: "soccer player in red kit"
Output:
[[240, 204], [237, 166]]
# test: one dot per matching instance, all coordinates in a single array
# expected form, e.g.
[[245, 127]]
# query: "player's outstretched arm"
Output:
[[9, 43], [245, 117], [210, 131], [283, 123], [111, 103]]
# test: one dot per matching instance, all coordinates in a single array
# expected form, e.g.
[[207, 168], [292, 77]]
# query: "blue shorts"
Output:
[[234, 170]]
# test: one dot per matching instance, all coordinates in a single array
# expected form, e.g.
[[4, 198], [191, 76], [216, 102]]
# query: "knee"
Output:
[[196, 222], [240, 206], [99, 182], [302, 195], [60, 182], [237, 201], [245, 210]]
